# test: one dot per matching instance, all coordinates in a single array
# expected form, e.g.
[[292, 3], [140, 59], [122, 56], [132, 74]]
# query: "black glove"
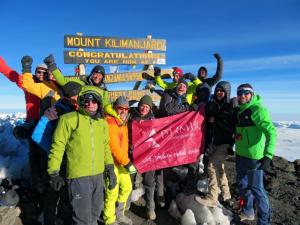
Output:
[[230, 151], [111, 176], [26, 64], [157, 71], [194, 107], [217, 56], [265, 163], [56, 182], [21, 132], [190, 76], [50, 62]]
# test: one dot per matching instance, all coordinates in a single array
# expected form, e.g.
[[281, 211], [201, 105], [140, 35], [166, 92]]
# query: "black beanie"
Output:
[[71, 88], [146, 99], [183, 81], [202, 68], [98, 69]]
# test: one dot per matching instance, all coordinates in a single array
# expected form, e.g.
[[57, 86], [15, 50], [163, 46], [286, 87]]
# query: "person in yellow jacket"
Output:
[[40, 85], [177, 75], [118, 133], [96, 78]]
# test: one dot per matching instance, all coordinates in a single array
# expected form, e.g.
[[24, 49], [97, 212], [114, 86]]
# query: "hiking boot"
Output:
[[244, 217], [125, 220], [206, 201], [151, 214], [161, 201]]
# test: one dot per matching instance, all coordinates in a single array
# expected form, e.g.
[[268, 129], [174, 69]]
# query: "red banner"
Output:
[[169, 141]]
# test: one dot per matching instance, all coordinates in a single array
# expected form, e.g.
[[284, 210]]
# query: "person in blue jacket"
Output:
[[42, 135]]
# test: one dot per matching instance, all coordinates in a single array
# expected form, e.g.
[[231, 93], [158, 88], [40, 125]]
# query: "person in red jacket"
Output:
[[32, 116]]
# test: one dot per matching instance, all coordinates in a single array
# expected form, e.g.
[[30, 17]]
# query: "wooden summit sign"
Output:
[[75, 41], [127, 76], [132, 95], [121, 58]]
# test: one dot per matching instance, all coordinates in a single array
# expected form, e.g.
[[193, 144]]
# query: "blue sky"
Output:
[[259, 40]]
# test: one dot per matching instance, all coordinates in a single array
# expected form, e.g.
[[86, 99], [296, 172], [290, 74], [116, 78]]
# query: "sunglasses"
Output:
[[243, 92], [41, 72], [219, 90], [122, 108], [87, 101]]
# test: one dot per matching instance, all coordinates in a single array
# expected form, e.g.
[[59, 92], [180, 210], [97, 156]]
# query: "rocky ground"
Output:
[[282, 183]]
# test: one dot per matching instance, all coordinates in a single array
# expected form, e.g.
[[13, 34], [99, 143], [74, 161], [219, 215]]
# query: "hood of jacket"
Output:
[[226, 87]]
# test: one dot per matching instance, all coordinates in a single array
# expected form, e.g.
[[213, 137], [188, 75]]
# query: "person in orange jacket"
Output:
[[118, 134]]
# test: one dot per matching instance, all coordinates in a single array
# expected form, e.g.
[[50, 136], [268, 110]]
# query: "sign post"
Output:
[[147, 58]]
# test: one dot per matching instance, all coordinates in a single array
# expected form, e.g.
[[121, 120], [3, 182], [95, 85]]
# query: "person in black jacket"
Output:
[[211, 81], [220, 132], [151, 178], [173, 101]]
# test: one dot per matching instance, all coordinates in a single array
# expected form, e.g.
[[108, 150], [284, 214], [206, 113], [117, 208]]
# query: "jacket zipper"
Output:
[[92, 144], [247, 136]]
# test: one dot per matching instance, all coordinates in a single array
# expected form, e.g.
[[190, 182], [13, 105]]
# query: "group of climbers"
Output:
[[80, 143]]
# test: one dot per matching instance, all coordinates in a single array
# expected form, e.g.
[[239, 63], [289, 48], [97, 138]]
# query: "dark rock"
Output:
[[283, 164]]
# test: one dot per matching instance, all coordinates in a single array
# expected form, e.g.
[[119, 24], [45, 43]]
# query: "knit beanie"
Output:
[[246, 87], [71, 88], [121, 101], [146, 99], [98, 69], [41, 66], [183, 81]]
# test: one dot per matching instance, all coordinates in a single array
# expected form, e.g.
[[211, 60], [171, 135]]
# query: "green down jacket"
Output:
[[85, 141], [255, 133]]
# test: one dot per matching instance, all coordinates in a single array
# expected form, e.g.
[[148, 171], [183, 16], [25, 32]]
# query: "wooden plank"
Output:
[[75, 41], [121, 58], [132, 95], [128, 76]]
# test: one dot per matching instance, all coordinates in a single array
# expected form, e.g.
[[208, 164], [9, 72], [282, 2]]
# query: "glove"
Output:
[[157, 71], [194, 107], [230, 151], [217, 56], [50, 62], [130, 168], [26, 64], [21, 132], [265, 163], [111, 176], [56, 182], [189, 76]]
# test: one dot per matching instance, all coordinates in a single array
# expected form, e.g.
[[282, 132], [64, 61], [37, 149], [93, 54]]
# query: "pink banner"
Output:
[[169, 141]]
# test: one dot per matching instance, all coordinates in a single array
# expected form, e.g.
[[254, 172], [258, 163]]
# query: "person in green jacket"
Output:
[[96, 78], [255, 141], [177, 75], [84, 136]]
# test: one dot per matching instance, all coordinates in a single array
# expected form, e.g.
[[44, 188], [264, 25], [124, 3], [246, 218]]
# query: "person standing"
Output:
[[151, 178], [178, 75], [173, 101], [42, 135], [84, 137], [211, 81], [255, 141], [220, 133], [118, 133]]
